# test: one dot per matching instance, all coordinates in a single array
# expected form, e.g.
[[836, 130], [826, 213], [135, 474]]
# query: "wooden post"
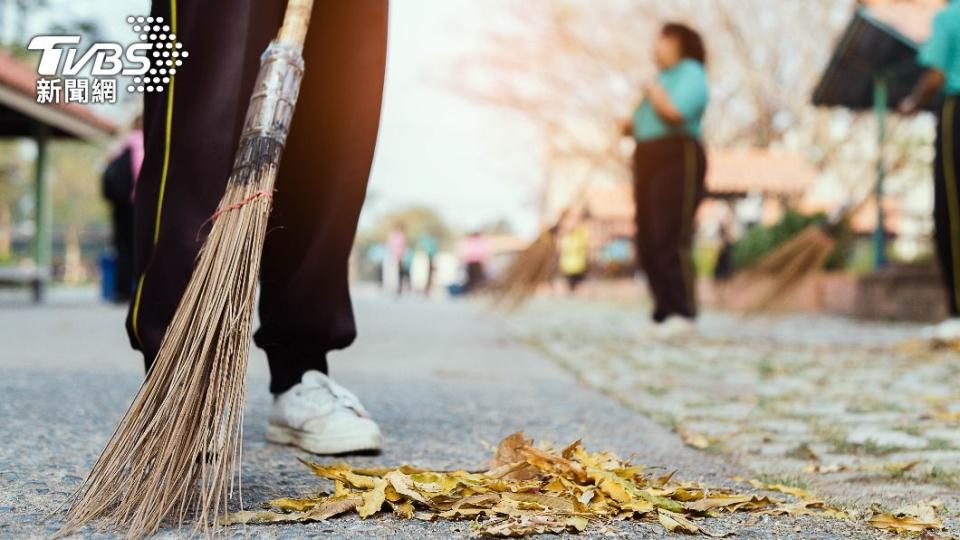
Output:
[[43, 215]]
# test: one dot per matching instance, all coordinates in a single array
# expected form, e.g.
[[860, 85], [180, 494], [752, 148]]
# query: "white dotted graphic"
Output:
[[167, 53]]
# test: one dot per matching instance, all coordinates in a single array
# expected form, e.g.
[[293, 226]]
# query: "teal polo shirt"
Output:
[[686, 83], [942, 50]]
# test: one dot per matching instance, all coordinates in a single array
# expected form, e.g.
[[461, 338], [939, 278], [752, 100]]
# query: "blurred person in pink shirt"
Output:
[[474, 252], [397, 253], [119, 188]]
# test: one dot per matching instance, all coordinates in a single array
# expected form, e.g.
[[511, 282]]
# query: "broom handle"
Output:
[[295, 22]]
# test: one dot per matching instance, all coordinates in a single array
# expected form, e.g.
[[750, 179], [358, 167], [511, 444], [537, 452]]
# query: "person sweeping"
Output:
[[941, 56], [191, 135], [669, 171], [210, 189]]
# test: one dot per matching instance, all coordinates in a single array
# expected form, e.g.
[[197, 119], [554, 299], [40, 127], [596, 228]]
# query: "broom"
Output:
[[787, 267], [176, 451], [531, 267]]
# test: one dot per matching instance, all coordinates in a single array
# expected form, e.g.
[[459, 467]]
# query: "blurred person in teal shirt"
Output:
[[941, 56], [669, 170]]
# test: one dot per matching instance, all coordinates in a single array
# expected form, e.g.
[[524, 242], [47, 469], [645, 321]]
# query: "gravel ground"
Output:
[[443, 378]]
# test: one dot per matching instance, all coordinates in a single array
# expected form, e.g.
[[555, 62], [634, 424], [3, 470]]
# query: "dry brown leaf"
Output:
[[676, 523], [325, 510], [693, 439], [799, 493], [543, 491], [903, 523], [404, 486], [806, 507], [913, 518], [288, 504], [373, 500], [546, 501], [403, 509], [729, 502], [819, 468], [516, 526]]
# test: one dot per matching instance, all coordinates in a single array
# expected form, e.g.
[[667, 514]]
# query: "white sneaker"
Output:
[[675, 328], [322, 417], [948, 330]]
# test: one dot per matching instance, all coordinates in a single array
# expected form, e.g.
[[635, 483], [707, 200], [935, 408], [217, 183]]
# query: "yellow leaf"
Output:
[[324, 510], [676, 523], [693, 439], [404, 486], [731, 502], [789, 490], [546, 501], [373, 500], [289, 504], [403, 509], [903, 523]]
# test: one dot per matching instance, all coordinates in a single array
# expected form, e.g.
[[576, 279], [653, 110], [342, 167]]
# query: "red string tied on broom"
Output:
[[264, 194]]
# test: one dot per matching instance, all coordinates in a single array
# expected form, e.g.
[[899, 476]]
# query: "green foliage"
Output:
[[762, 240]]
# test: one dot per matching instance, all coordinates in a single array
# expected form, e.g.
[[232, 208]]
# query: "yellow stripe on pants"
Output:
[[168, 130], [689, 189], [950, 178]]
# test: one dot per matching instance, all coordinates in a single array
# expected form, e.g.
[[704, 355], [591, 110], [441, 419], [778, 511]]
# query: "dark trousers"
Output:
[[668, 187], [946, 208], [122, 222], [191, 134]]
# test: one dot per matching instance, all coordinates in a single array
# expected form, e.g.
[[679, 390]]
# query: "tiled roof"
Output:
[[757, 170], [21, 80]]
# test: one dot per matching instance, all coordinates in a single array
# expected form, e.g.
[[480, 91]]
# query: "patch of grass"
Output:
[[939, 444], [666, 419], [802, 452], [869, 447], [912, 429], [942, 477], [784, 480], [656, 391], [867, 407], [766, 368]]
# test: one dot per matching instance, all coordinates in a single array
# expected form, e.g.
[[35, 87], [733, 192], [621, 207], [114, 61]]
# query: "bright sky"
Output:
[[473, 164]]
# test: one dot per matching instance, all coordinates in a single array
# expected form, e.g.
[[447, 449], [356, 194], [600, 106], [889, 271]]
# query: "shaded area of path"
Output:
[[444, 379]]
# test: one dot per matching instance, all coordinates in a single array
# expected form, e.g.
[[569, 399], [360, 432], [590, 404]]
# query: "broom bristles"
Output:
[[783, 270], [531, 267], [175, 451]]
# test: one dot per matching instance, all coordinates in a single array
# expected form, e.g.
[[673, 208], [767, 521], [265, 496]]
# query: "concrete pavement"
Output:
[[445, 379]]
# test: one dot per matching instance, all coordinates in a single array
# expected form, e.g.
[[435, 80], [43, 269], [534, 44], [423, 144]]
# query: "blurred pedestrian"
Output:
[[669, 170], [574, 250], [427, 246], [397, 251], [119, 182], [941, 56], [474, 253], [723, 270]]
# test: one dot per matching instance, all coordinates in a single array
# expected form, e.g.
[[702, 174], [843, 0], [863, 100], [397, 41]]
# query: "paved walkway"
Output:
[[445, 380], [845, 408]]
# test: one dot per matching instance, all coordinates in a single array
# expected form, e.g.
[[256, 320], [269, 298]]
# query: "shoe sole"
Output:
[[342, 444]]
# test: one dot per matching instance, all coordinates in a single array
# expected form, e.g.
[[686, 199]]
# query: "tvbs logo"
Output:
[[104, 59], [150, 62]]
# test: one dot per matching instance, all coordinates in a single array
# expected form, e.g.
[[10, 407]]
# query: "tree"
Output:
[[573, 69]]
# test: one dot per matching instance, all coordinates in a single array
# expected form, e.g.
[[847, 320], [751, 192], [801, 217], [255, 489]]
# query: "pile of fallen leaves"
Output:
[[528, 490]]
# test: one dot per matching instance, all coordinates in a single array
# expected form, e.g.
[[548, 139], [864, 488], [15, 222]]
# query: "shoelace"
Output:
[[341, 395]]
